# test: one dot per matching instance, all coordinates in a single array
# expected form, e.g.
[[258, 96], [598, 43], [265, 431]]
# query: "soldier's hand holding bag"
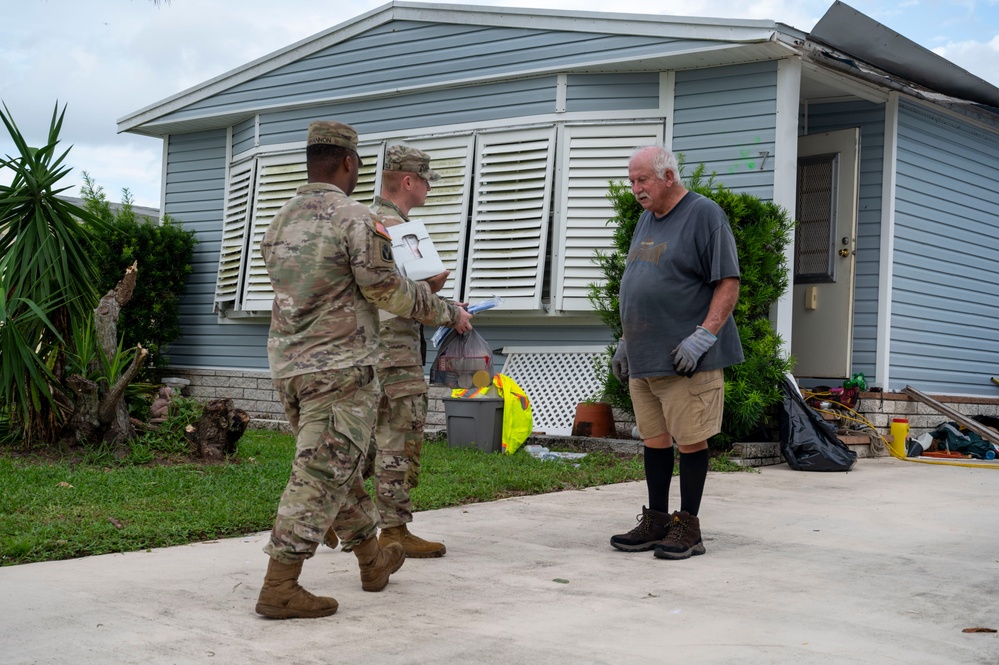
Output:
[[459, 358]]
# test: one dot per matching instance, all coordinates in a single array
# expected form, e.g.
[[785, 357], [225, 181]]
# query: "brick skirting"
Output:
[[880, 408], [254, 393]]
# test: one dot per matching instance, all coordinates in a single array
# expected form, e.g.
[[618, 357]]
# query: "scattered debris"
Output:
[[979, 630], [957, 416], [543, 453]]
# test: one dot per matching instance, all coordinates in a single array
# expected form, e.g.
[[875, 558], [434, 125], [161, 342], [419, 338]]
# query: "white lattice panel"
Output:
[[555, 380]]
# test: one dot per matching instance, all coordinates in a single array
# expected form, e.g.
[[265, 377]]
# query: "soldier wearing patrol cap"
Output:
[[406, 159], [331, 267], [394, 462]]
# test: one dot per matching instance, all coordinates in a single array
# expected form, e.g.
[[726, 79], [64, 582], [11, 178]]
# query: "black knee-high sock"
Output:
[[658, 473], [693, 472]]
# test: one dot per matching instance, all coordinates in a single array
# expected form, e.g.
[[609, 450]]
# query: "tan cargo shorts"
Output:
[[689, 409]]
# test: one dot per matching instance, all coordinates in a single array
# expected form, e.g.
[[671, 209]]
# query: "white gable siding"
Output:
[[945, 291]]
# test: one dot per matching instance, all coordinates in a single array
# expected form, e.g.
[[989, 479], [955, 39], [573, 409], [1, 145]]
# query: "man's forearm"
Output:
[[723, 301]]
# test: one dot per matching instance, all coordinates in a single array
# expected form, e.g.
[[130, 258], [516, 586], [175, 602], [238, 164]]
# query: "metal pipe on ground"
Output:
[[958, 417]]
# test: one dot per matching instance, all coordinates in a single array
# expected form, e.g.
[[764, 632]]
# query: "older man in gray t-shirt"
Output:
[[680, 285]]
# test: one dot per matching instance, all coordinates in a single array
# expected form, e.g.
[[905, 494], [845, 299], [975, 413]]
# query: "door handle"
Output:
[[844, 252]]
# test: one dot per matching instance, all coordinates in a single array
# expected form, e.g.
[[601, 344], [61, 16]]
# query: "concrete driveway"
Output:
[[885, 564]]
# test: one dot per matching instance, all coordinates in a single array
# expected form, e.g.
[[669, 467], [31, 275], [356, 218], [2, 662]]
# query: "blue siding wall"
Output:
[[399, 54], [870, 117], [724, 118], [612, 92], [195, 186], [243, 136], [945, 309], [440, 108]]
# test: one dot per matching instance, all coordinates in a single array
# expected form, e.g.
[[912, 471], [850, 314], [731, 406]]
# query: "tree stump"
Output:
[[213, 437], [100, 411]]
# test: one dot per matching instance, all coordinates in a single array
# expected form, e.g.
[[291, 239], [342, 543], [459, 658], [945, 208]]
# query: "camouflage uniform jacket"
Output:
[[331, 267], [399, 343]]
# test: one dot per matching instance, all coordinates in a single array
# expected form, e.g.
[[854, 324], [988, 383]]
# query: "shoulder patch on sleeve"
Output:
[[386, 251], [381, 230]]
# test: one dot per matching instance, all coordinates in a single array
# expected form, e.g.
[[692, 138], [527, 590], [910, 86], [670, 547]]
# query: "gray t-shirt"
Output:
[[673, 265]]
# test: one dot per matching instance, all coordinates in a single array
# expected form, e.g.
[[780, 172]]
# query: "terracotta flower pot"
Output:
[[593, 419]]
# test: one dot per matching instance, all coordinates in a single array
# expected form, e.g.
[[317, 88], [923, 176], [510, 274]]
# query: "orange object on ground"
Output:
[[946, 453]]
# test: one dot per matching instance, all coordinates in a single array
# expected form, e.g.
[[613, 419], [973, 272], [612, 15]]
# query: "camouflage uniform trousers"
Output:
[[394, 460], [332, 414]]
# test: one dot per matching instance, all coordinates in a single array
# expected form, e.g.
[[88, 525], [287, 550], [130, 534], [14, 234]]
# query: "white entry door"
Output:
[[825, 254]]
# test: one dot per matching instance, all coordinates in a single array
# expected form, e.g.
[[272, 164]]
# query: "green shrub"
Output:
[[164, 253], [762, 231], [604, 296]]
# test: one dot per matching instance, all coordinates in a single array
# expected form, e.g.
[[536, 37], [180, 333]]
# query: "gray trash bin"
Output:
[[474, 422]]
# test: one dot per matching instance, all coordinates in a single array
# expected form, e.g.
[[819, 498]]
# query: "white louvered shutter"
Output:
[[514, 173], [590, 156], [235, 223], [277, 179], [371, 156], [445, 212]]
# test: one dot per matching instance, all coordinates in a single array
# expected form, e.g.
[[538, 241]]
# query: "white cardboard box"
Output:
[[415, 254]]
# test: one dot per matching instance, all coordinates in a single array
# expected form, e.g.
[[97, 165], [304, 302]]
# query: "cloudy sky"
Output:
[[105, 59]]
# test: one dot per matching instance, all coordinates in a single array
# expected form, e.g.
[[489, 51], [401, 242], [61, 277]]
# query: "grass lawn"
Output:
[[53, 510]]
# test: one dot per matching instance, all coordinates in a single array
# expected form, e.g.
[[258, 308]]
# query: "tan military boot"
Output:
[[330, 540], [281, 597], [378, 562], [414, 546]]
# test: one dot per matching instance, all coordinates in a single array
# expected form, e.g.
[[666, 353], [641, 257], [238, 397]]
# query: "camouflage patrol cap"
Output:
[[332, 132], [409, 159]]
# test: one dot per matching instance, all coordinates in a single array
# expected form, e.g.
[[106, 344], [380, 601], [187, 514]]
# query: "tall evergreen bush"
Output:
[[164, 252], [762, 232]]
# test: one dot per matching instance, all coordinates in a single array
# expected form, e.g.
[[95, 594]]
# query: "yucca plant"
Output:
[[46, 278]]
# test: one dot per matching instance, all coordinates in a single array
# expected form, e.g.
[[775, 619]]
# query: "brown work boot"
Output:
[[378, 562], [414, 546], [652, 528], [330, 540], [281, 597], [684, 539]]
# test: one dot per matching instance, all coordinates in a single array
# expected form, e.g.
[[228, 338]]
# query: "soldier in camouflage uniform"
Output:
[[395, 459], [331, 266]]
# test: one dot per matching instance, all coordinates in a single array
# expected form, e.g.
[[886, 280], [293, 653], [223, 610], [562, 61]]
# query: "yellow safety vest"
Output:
[[518, 421]]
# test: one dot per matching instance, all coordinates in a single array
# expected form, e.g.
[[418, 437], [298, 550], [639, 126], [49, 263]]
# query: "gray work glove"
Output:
[[619, 365], [687, 356]]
